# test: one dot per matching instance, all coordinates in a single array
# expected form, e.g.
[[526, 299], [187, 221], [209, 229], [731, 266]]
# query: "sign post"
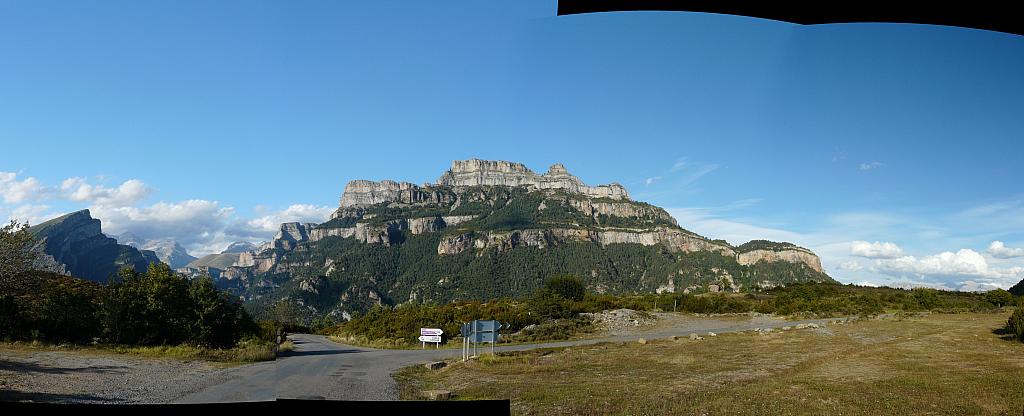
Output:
[[481, 331], [431, 335]]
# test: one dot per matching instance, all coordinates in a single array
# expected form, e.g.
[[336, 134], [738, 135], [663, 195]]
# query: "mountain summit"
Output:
[[488, 229], [76, 243]]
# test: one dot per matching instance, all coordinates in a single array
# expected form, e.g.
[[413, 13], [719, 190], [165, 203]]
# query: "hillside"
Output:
[[489, 229], [76, 244], [1018, 289]]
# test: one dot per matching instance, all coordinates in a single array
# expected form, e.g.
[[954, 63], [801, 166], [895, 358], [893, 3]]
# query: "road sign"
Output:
[[486, 326], [484, 337], [465, 330], [431, 331], [430, 338]]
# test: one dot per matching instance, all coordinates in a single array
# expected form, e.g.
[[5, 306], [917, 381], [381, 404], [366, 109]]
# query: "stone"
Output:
[[674, 337], [437, 394], [694, 336], [436, 365], [642, 341], [712, 334], [787, 328]]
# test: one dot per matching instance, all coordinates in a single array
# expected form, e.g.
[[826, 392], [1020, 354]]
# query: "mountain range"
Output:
[[488, 229], [167, 250], [484, 229]]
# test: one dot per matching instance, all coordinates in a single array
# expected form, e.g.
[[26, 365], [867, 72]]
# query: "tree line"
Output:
[[155, 307]]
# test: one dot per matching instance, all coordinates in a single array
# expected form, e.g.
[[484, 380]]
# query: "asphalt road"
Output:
[[323, 369]]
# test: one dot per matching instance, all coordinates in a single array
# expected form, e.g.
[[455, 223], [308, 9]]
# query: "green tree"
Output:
[[217, 321], [17, 254], [999, 297], [546, 304], [567, 286]]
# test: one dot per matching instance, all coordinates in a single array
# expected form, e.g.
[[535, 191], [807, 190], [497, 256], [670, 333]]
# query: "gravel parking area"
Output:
[[82, 377]]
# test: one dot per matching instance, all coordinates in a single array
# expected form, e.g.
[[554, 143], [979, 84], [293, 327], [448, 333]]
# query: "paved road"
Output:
[[322, 369]]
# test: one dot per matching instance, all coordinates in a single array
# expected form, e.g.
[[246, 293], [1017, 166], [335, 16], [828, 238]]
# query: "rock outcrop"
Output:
[[788, 255], [291, 234], [76, 243], [676, 240], [363, 192], [476, 172]]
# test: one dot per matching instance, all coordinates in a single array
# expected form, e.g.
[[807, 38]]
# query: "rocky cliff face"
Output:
[[291, 234], [496, 228], [675, 240], [75, 242], [787, 255], [475, 172]]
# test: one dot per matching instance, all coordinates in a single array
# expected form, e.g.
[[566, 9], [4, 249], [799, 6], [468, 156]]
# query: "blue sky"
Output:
[[891, 150]]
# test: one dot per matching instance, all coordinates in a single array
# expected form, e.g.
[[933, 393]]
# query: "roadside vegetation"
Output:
[[553, 311], [155, 313], [913, 364]]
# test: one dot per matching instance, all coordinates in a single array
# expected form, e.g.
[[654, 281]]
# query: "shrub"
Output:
[[568, 287], [999, 297], [546, 304], [1015, 325]]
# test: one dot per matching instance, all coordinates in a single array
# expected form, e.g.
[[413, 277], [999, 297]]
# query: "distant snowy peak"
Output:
[[239, 247]]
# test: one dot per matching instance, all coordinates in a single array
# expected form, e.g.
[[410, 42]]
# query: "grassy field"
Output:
[[934, 364], [244, 353]]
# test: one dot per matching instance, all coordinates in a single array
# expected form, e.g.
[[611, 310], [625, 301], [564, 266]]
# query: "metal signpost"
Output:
[[479, 331], [431, 335]]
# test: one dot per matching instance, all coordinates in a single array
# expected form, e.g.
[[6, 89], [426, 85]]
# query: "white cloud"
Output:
[[703, 221], [963, 263], [190, 222], [651, 180], [15, 191], [1000, 251], [128, 193], [851, 266], [871, 165], [295, 213], [876, 250], [30, 213]]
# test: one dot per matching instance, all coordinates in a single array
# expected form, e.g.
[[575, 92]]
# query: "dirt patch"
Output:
[[621, 321], [76, 377]]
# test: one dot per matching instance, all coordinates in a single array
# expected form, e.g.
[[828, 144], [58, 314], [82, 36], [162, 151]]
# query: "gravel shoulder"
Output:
[[89, 377]]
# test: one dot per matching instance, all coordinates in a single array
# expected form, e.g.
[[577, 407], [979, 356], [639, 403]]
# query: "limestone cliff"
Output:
[[496, 228], [475, 172], [76, 244]]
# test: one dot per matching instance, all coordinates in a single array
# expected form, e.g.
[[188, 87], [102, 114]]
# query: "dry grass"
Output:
[[245, 352], [938, 364]]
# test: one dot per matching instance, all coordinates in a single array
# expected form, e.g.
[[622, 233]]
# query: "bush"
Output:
[[999, 297], [1015, 325], [160, 307], [546, 304], [568, 287]]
